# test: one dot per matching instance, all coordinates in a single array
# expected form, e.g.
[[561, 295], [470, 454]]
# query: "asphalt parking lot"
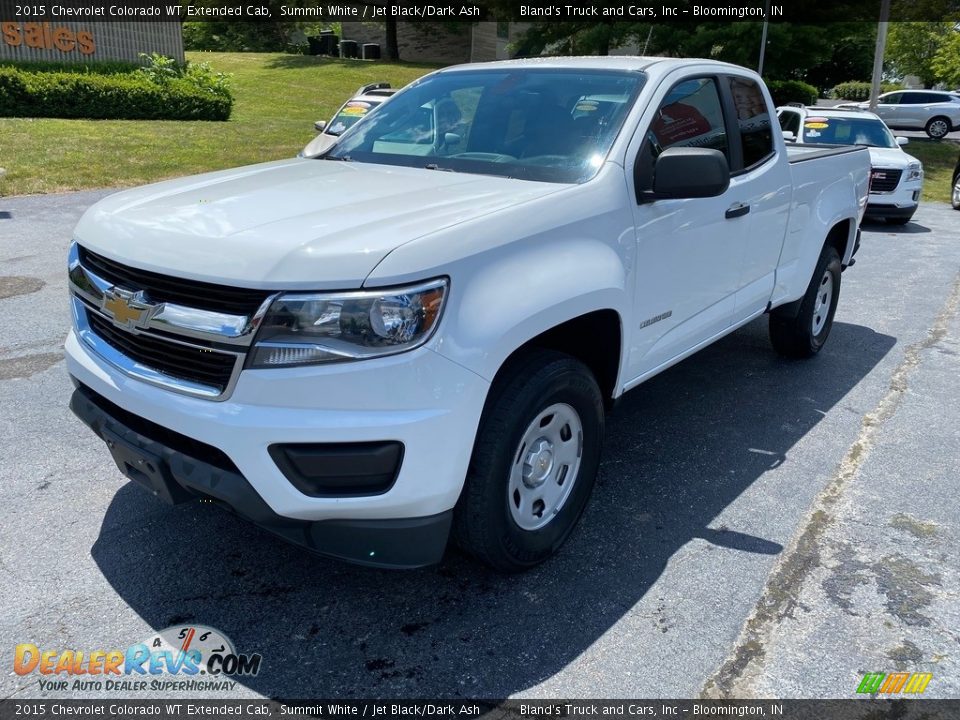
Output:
[[760, 527]]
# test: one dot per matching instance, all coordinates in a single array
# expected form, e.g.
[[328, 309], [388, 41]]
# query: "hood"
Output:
[[890, 158], [293, 224]]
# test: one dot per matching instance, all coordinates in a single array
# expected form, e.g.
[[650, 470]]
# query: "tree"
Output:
[[946, 61], [577, 38], [821, 55], [392, 46], [912, 47]]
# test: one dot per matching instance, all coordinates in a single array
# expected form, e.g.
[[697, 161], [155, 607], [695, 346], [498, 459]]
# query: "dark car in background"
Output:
[[955, 192]]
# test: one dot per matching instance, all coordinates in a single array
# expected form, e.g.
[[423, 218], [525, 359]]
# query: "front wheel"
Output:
[[803, 335], [937, 127], [955, 194], [534, 461]]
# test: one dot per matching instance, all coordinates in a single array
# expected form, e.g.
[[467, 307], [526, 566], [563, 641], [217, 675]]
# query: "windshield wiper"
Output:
[[434, 166], [343, 158]]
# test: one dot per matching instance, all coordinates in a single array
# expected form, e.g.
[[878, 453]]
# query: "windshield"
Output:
[[848, 131], [534, 124], [348, 115]]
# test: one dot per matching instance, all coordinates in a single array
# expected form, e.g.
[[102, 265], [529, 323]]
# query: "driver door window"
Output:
[[690, 116]]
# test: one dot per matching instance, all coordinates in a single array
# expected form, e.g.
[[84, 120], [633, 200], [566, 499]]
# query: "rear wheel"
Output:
[[937, 127], [534, 461], [955, 194], [802, 335]]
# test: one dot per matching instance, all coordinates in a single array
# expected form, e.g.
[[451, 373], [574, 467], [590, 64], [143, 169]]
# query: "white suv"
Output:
[[363, 101], [896, 178]]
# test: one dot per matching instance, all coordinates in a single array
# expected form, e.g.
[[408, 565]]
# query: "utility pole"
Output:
[[878, 53], [763, 37]]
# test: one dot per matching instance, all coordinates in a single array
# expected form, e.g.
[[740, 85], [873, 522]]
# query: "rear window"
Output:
[[924, 98]]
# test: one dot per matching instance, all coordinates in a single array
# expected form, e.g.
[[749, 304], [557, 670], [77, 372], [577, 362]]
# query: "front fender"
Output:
[[551, 283], [521, 271]]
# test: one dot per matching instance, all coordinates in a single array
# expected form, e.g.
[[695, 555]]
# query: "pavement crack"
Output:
[[779, 598]]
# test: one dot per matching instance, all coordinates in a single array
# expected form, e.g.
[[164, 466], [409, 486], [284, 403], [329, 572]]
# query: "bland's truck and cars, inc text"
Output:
[[415, 335]]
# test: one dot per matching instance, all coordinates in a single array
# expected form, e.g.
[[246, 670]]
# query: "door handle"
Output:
[[736, 210]]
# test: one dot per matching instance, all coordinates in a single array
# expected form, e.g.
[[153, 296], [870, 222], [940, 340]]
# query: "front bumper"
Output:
[[421, 400], [178, 469], [880, 210], [900, 203]]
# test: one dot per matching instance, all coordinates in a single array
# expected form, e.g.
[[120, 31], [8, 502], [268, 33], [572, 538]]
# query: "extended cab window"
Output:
[[753, 117], [690, 116]]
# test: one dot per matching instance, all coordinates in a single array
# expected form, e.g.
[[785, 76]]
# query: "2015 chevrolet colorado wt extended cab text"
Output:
[[416, 334]]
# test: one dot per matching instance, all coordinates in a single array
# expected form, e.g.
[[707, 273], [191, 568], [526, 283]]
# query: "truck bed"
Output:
[[812, 151]]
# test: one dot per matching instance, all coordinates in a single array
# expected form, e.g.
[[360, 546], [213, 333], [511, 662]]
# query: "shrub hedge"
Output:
[[98, 67], [860, 91], [133, 96], [792, 91]]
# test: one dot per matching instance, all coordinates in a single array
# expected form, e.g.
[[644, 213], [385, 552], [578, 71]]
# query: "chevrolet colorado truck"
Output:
[[414, 337]]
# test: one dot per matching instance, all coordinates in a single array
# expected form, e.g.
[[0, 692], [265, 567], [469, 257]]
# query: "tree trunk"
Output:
[[603, 44], [393, 48]]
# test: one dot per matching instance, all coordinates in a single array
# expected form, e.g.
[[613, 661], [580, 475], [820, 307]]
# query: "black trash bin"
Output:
[[315, 44], [349, 49], [328, 43], [371, 51]]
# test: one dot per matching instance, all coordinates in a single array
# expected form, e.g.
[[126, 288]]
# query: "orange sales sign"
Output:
[[45, 36]]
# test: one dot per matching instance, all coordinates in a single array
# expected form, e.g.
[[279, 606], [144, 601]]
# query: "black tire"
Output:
[[794, 336], [483, 522], [955, 193], [937, 127], [899, 220]]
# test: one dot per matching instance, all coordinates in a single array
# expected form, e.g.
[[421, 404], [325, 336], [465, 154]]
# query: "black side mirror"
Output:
[[683, 172]]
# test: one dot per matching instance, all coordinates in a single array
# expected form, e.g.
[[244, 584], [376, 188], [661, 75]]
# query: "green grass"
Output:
[[939, 158], [277, 99]]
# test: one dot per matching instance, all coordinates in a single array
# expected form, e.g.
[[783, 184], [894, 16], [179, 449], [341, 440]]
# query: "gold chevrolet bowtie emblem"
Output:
[[129, 309]]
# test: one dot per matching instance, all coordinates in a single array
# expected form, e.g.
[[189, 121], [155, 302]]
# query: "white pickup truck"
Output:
[[415, 336]]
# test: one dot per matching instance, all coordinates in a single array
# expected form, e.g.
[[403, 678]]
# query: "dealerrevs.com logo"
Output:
[[192, 658]]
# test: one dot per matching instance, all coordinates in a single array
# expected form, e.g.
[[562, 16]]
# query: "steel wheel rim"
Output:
[[821, 306], [545, 466], [956, 193], [938, 129]]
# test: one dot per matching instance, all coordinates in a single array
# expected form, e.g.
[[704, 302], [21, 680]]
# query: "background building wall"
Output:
[[423, 43], [110, 40]]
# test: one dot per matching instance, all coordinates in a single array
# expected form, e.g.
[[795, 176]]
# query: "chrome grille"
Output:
[[185, 362], [186, 336], [163, 288], [884, 180]]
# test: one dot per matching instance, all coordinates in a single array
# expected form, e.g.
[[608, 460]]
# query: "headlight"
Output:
[[306, 329], [914, 171]]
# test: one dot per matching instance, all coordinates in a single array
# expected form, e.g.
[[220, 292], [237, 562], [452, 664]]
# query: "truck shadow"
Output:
[[911, 228], [679, 450]]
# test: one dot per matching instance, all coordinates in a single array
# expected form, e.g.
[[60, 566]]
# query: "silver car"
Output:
[[935, 112]]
